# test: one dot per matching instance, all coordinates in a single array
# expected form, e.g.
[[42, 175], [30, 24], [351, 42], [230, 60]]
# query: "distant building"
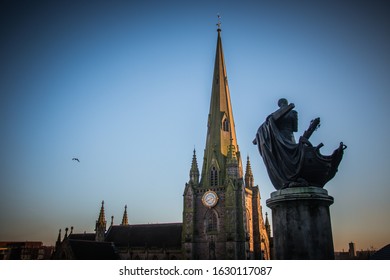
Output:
[[352, 254], [83, 247], [222, 214], [25, 250]]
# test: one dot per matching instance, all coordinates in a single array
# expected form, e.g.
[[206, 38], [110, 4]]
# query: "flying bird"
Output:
[[75, 159]]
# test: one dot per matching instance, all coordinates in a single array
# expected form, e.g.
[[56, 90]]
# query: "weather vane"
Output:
[[219, 21]]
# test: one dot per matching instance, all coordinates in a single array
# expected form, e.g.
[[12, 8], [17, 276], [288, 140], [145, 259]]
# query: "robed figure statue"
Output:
[[290, 164]]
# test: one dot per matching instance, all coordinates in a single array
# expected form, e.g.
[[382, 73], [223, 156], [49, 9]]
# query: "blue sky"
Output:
[[125, 87]]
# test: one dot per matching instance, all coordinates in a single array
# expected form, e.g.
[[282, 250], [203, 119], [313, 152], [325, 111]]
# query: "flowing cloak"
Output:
[[282, 158]]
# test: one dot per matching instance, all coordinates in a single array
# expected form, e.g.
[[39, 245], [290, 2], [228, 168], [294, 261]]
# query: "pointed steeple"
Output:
[[220, 208], [249, 182], [58, 243], [66, 233], [221, 133], [100, 227], [125, 220], [194, 171], [102, 219]]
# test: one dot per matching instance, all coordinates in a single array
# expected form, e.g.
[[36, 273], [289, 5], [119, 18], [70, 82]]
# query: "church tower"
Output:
[[214, 215]]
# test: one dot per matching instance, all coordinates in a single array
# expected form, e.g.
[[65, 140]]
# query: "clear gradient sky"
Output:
[[125, 87]]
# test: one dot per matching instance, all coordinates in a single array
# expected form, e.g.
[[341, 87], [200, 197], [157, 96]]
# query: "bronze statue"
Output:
[[290, 164]]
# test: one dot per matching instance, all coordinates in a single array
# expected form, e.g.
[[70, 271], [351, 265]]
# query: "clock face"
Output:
[[209, 199]]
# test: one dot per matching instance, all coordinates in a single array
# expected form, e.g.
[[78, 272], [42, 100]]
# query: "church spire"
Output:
[[194, 171], [248, 174], [102, 219], [220, 209], [100, 227], [125, 220], [58, 242], [221, 133], [66, 233]]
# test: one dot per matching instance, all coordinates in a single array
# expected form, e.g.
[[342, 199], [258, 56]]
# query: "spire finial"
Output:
[[100, 227], [102, 219], [66, 233], [58, 242], [125, 220], [248, 167], [219, 23], [249, 182], [194, 171]]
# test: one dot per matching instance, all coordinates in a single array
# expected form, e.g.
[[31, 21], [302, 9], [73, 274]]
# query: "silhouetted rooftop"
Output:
[[82, 236], [382, 254], [147, 235]]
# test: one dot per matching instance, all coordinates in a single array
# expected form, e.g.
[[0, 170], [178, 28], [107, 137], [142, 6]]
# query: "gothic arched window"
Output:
[[214, 177], [225, 125], [211, 222]]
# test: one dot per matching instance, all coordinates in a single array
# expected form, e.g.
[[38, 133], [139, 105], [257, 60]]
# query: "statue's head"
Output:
[[282, 102]]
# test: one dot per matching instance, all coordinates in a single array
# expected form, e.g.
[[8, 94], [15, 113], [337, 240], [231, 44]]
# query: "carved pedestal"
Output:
[[301, 224]]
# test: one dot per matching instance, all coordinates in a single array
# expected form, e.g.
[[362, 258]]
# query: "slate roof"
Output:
[[146, 235], [92, 250], [382, 254], [82, 236]]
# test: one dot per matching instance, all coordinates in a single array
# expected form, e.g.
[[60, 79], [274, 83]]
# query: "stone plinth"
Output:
[[301, 224]]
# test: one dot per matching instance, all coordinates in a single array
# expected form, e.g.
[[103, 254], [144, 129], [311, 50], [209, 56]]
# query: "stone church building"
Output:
[[222, 214]]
